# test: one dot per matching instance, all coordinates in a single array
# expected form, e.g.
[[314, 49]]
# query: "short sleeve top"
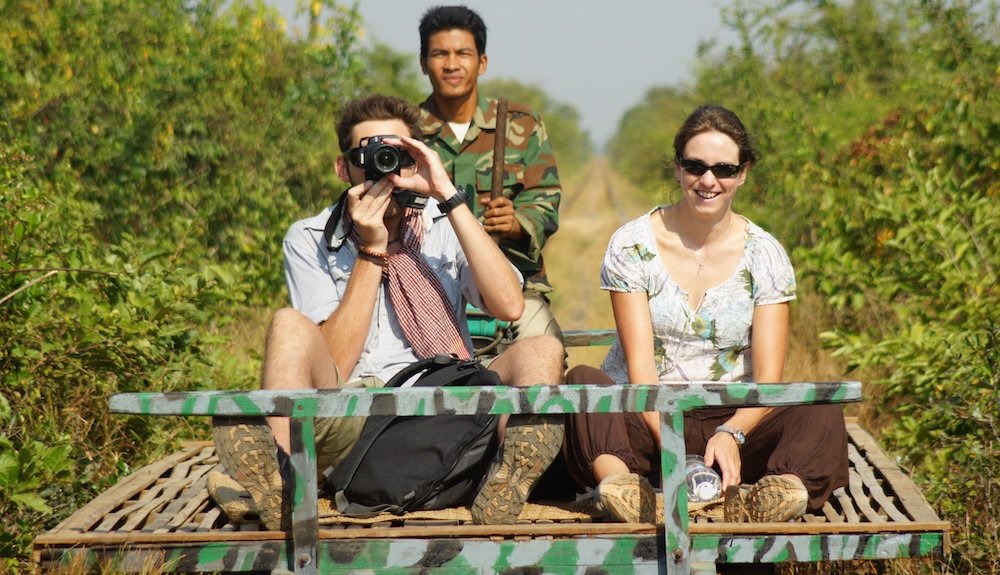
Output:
[[712, 342], [317, 276]]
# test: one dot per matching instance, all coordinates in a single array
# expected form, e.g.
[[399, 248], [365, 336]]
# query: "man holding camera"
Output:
[[377, 281], [462, 127]]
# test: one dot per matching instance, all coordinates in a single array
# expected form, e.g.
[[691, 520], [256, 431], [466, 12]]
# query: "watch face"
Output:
[[738, 435]]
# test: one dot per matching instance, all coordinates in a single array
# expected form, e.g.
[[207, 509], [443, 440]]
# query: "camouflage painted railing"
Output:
[[670, 400]]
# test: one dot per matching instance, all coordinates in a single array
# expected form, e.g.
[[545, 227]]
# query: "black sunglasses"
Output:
[[720, 171]]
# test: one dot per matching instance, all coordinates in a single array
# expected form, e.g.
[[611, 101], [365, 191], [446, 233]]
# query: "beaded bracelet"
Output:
[[378, 257]]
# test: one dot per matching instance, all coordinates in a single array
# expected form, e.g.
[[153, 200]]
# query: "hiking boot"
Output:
[[246, 449], [628, 498], [733, 509], [773, 499], [234, 501], [530, 444]]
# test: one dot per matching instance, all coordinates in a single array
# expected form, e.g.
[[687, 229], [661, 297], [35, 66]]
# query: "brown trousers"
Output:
[[809, 441]]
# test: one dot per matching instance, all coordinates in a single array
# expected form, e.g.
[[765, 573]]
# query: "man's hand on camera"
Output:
[[367, 202], [429, 178], [498, 218]]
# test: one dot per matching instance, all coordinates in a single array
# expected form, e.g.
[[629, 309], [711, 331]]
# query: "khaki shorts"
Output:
[[537, 318], [335, 436]]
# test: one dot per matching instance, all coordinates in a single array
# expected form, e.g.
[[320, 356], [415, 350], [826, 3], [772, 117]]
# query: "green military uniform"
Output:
[[530, 180]]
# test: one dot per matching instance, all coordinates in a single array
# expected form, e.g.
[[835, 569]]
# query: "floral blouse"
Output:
[[711, 343]]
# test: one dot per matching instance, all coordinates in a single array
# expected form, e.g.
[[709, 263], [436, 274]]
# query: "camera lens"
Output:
[[386, 159]]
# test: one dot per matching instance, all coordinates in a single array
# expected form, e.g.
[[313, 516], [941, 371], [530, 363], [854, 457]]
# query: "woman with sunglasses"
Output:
[[700, 293]]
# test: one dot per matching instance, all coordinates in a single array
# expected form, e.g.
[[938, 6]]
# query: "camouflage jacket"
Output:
[[530, 177]]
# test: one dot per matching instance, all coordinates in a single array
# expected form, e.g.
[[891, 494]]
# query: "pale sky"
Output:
[[598, 56]]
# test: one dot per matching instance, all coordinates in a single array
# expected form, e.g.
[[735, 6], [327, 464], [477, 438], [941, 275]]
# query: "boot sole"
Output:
[[530, 445], [246, 449], [773, 499]]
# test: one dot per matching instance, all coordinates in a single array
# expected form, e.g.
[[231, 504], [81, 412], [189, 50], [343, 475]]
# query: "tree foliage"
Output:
[[642, 148], [151, 158]]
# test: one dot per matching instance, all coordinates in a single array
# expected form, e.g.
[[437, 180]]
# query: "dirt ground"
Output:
[[595, 203]]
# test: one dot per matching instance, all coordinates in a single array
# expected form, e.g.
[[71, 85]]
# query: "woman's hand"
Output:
[[368, 202], [723, 449], [430, 178]]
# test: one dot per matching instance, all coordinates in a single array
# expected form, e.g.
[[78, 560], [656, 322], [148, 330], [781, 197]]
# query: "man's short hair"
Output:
[[376, 107], [440, 18]]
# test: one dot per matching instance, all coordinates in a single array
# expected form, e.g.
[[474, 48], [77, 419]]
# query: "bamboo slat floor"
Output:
[[166, 503]]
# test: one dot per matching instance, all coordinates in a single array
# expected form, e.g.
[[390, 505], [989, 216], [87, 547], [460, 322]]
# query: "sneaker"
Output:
[[246, 449], [530, 444], [234, 501], [628, 498], [773, 499]]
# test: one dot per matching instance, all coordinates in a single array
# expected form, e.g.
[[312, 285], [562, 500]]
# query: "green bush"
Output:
[[151, 159], [82, 319]]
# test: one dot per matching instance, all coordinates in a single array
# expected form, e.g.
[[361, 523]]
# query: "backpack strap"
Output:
[[438, 361]]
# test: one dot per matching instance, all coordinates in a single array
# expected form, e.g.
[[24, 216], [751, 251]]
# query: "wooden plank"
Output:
[[209, 519], [183, 469], [867, 475], [847, 506], [487, 531], [184, 507], [137, 513], [96, 539], [906, 491], [856, 487], [155, 499], [89, 515]]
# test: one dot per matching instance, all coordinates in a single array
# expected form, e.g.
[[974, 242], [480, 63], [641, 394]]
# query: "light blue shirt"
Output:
[[317, 276]]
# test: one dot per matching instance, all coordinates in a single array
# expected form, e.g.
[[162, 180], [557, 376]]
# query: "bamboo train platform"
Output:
[[161, 519]]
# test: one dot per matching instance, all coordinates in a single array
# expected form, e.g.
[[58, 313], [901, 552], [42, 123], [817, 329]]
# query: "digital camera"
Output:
[[379, 158]]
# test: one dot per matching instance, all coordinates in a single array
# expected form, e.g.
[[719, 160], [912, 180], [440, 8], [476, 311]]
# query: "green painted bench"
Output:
[[161, 514]]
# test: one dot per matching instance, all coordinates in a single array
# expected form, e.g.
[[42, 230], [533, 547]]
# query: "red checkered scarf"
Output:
[[421, 304]]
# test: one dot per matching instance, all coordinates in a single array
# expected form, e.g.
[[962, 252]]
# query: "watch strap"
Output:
[[452, 202], [738, 435]]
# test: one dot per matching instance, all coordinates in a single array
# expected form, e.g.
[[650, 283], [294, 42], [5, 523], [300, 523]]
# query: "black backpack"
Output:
[[402, 464]]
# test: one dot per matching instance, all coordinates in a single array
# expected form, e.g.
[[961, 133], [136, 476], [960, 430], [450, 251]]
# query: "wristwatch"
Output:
[[738, 435], [452, 202]]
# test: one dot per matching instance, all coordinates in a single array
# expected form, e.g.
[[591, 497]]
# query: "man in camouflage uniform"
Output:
[[460, 125]]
